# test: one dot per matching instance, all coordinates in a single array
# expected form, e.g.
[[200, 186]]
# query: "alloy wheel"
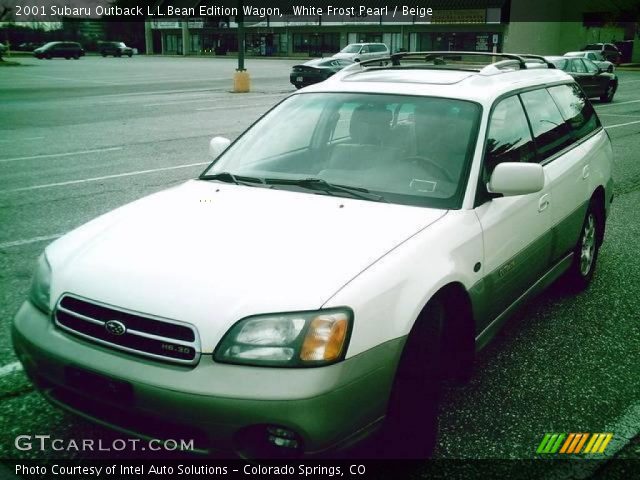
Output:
[[587, 252]]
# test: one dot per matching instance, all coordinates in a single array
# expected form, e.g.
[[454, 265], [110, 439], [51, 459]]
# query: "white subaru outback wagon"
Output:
[[333, 264]]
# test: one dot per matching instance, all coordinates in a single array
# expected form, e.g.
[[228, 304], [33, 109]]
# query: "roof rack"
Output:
[[509, 60]]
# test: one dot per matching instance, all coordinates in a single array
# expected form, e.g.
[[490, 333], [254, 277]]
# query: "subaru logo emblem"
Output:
[[114, 327]]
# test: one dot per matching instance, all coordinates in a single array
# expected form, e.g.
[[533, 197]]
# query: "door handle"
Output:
[[585, 172], [543, 203]]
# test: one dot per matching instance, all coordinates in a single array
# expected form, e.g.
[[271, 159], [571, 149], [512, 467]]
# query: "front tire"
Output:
[[585, 253], [411, 425]]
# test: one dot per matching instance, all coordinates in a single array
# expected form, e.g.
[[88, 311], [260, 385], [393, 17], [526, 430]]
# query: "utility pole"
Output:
[[241, 80]]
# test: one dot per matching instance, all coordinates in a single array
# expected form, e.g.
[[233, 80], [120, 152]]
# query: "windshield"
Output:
[[400, 149], [351, 48]]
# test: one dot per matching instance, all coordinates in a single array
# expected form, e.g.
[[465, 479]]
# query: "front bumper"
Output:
[[328, 407]]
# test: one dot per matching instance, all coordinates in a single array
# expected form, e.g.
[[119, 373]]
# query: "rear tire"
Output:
[[585, 253], [610, 91], [411, 425]]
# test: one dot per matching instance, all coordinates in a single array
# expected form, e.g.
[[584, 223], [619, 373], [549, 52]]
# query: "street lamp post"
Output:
[[241, 80]]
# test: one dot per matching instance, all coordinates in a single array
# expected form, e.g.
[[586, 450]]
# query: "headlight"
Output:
[[295, 339], [40, 285]]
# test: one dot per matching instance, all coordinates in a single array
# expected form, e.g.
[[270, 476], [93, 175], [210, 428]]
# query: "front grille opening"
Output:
[[132, 321], [140, 334]]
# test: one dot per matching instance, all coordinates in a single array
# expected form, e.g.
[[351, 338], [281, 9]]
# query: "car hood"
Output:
[[210, 254]]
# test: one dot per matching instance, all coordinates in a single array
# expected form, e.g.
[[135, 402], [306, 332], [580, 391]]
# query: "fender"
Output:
[[388, 297]]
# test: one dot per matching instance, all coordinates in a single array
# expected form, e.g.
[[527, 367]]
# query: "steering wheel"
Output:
[[430, 165]]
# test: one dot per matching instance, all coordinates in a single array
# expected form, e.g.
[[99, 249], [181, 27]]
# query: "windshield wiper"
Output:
[[318, 184], [237, 179]]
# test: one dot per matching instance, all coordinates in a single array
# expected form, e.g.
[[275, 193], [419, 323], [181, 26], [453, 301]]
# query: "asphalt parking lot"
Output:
[[79, 138]]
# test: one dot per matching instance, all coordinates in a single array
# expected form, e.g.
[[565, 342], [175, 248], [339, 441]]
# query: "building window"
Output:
[[316, 44]]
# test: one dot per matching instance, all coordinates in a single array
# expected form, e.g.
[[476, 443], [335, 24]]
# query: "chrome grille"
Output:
[[145, 335]]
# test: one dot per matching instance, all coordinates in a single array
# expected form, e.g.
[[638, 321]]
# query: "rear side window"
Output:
[[550, 132], [509, 138], [575, 109]]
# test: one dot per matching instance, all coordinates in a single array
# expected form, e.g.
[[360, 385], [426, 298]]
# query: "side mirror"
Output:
[[514, 178], [217, 145]]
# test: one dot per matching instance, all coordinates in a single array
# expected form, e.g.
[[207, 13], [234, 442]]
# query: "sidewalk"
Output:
[[628, 67]]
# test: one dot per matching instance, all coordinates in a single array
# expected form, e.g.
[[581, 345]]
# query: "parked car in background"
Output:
[[59, 49], [357, 52], [28, 46], [316, 70], [595, 57], [608, 50], [594, 81], [117, 49]]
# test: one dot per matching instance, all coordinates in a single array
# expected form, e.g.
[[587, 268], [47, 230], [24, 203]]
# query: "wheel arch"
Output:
[[458, 337]]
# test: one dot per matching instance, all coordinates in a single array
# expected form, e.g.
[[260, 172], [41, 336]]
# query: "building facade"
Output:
[[470, 25]]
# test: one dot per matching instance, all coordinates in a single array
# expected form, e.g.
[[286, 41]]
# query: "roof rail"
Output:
[[510, 59], [528, 56]]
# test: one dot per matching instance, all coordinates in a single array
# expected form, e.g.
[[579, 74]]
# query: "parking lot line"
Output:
[[26, 139], [105, 177], [203, 99], [227, 107], [27, 241], [158, 92], [618, 115], [622, 124], [12, 367], [67, 154], [618, 103]]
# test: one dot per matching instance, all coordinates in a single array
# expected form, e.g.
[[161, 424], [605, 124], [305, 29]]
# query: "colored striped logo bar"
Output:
[[574, 443]]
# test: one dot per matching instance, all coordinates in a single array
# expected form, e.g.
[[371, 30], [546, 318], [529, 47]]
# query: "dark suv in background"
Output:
[[117, 49], [59, 49], [608, 50]]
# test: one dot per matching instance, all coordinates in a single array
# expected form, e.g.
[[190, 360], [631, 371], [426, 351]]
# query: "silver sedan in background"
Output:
[[595, 57]]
